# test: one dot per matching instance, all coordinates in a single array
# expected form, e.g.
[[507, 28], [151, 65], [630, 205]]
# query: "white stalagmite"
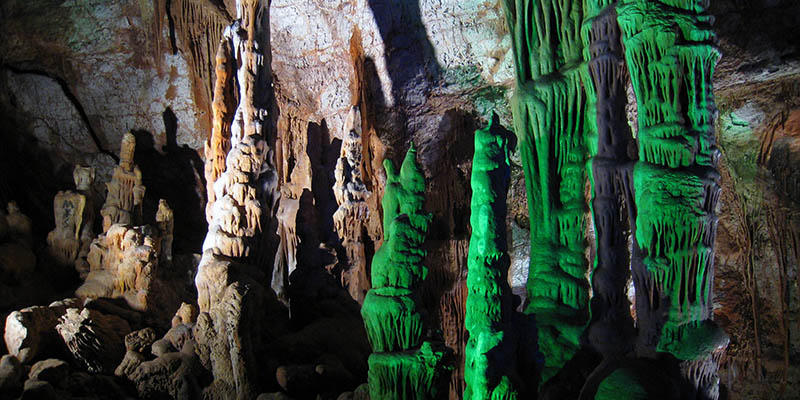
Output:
[[231, 292]]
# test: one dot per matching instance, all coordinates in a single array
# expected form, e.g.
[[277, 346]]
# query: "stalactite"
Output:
[[404, 365], [611, 327], [489, 308], [198, 25], [549, 105], [671, 56]]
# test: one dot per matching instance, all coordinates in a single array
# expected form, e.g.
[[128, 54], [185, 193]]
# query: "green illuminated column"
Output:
[[549, 107], [488, 310], [403, 366], [611, 327], [671, 57]]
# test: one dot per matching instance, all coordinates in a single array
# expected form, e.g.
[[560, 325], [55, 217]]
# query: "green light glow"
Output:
[[399, 368], [549, 106], [671, 58], [488, 300]]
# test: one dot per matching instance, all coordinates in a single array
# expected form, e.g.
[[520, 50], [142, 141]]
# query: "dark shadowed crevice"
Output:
[[75, 103], [172, 40]]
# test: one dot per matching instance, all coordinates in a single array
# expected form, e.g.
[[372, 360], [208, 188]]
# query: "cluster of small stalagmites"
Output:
[[122, 263], [68, 243], [350, 218]]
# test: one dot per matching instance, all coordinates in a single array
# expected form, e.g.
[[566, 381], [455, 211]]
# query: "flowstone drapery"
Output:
[[608, 140], [489, 308], [548, 106], [404, 365], [671, 57]]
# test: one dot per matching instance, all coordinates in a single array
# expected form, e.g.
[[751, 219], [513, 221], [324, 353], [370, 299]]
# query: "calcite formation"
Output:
[[351, 217], [549, 107], [608, 141], [404, 365], [671, 56], [489, 308], [125, 190], [74, 215], [165, 220], [232, 300], [122, 264]]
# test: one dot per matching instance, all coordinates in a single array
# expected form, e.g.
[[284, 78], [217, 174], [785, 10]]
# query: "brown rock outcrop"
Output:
[[31, 331]]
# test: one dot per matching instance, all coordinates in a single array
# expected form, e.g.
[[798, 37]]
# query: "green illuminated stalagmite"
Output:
[[671, 57], [488, 310], [611, 327], [549, 107], [403, 366]]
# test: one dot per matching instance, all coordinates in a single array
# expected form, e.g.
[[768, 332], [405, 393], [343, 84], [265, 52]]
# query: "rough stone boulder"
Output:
[[10, 374], [173, 374], [95, 340], [141, 340], [51, 370], [39, 390], [30, 332]]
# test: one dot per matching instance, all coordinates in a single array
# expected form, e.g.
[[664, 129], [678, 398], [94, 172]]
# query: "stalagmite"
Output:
[[165, 219], [403, 365], [232, 326], [351, 217], [69, 242], [671, 58], [549, 107], [488, 310], [125, 191]]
